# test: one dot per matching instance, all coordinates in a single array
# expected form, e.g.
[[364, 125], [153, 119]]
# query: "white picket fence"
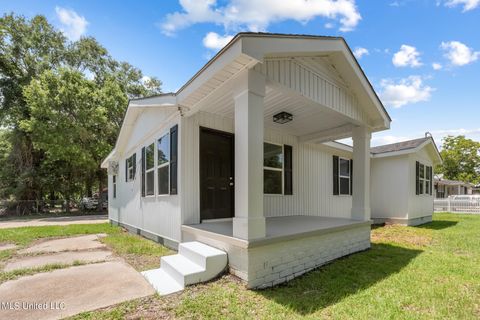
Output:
[[457, 206]]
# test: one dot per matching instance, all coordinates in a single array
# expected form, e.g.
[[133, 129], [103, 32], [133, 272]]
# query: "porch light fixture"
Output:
[[282, 117]]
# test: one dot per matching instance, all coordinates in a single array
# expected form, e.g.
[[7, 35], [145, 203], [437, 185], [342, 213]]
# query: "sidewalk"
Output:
[[53, 221]]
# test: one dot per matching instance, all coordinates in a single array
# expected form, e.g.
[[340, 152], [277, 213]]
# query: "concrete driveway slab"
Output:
[[66, 292], [53, 221], [66, 244], [57, 258]]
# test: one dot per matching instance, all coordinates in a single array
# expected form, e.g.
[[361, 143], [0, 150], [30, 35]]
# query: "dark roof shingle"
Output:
[[400, 146]]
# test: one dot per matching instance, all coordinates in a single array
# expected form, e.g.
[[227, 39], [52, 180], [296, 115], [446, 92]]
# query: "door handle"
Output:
[[231, 184]]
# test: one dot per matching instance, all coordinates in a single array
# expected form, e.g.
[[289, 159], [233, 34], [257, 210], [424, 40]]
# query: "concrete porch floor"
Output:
[[279, 228]]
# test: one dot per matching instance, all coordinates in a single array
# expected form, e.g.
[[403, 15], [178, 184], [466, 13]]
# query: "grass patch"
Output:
[[141, 253], [423, 272], [26, 235]]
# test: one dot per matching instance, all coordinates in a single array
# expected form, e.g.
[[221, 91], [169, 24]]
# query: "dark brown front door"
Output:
[[216, 174]]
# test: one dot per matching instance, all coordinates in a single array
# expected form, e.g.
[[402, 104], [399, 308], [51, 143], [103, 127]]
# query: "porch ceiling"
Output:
[[308, 117]]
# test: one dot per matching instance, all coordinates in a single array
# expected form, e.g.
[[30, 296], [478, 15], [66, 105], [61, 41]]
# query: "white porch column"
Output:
[[249, 222], [361, 174]]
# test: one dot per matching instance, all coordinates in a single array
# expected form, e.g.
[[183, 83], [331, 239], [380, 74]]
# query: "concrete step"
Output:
[[182, 269], [162, 282], [194, 263], [201, 253]]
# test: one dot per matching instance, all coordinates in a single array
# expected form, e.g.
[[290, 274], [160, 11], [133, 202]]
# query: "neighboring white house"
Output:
[[445, 187], [402, 181], [236, 158]]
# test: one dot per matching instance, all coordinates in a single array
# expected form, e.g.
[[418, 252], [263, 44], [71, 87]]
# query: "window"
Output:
[[163, 161], [424, 179], [344, 176], [150, 170], [114, 186], [272, 168], [130, 167]]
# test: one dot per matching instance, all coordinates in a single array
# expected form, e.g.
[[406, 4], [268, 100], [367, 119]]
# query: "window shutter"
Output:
[[134, 165], [335, 176], [288, 183], [417, 178], [173, 159], [431, 179], [351, 176], [126, 170], [142, 179]]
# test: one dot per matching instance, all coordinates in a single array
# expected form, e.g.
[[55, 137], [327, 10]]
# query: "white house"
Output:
[[445, 187], [402, 181], [236, 160]]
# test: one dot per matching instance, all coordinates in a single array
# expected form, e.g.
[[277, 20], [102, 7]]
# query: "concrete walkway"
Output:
[[66, 292], [105, 280], [87, 242], [53, 221], [66, 258]]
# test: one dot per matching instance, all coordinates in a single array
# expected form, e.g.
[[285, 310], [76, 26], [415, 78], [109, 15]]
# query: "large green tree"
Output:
[[61, 106], [461, 159]]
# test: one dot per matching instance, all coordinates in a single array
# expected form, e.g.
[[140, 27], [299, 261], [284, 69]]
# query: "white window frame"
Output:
[[276, 169], [114, 186], [130, 164], [149, 170], [340, 177], [159, 166]]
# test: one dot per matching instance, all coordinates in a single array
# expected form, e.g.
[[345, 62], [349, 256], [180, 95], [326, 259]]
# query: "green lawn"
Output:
[[424, 272]]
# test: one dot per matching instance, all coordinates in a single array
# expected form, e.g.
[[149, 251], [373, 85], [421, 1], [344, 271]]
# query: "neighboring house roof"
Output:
[[440, 180], [252, 48]]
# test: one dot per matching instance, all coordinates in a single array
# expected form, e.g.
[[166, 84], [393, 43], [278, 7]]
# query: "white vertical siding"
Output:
[[312, 182], [419, 205], [159, 215], [190, 140], [313, 78], [390, 188], [312, 174]]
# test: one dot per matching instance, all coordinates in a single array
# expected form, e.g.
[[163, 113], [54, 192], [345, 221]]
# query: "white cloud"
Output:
[[457, 132], [388, 139], [329, 25], [257, 15], [359, 52], [408, 56], [74, 25], [406, 91], [436, 66], [458, 53], [467, 4], [215, 41]]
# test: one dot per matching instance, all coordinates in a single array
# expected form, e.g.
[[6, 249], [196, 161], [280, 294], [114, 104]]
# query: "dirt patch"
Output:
[[401, 235]]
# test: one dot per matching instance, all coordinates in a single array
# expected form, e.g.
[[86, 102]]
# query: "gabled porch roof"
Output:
[[330, 93]]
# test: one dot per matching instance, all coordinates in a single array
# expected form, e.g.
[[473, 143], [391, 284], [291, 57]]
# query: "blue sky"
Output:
[[422, 56]]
